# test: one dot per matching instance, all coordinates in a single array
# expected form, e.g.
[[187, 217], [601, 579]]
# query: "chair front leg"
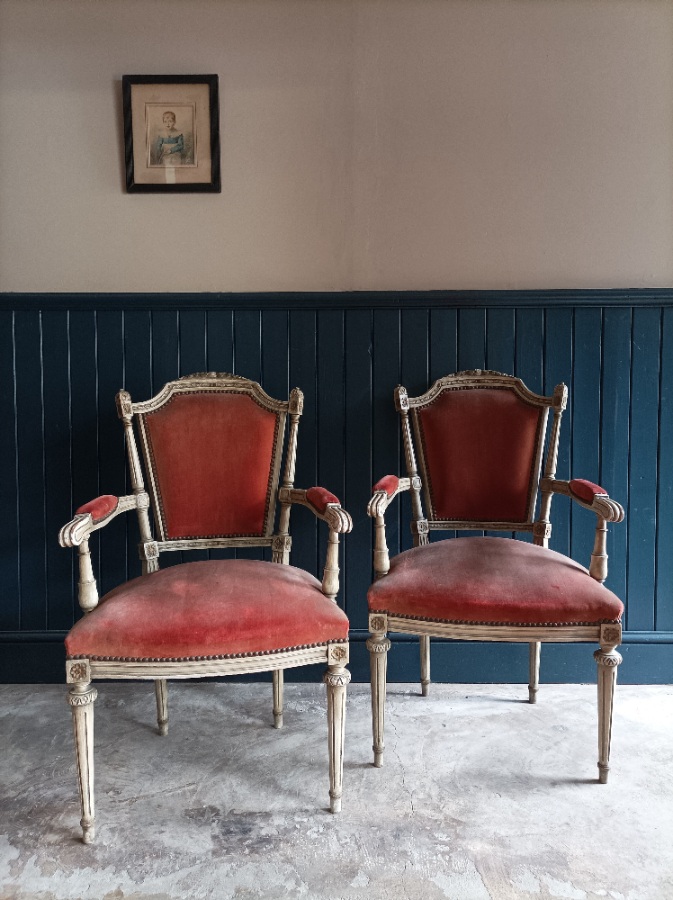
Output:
[[425, 664], [278, 698], [608, 660], [336, 680], [81, 698], [533, 670], [378, 646], [161, 692]]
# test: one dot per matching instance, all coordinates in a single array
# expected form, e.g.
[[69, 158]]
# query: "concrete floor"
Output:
[[482, 797]]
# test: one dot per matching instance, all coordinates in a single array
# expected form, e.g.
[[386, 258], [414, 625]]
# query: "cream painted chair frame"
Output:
[[608, 636], [81, 672]]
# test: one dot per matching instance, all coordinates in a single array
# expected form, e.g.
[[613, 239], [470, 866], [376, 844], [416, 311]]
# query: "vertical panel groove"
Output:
[[44, 472], [16, 474]]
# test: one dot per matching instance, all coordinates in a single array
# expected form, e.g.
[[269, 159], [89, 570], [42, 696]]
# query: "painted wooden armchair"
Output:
[[474, 445], [212, 447]]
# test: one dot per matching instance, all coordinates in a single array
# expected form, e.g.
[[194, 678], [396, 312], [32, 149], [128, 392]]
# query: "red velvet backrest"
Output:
[[211, 459], [479, 452]]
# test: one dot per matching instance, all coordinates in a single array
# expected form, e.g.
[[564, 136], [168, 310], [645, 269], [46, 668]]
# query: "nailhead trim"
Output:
[[199, 658], [375, 612]]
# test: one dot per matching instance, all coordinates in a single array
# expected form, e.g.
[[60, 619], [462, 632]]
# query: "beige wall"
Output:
[[366, 145]]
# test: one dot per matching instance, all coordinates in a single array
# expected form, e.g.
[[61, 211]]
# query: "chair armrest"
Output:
[[587, 494], [384, 492], [322, 503], [96, 514], [90, 517], [593, 497]]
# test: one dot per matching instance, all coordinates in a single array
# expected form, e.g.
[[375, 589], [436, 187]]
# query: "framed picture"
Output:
[[171, 133]]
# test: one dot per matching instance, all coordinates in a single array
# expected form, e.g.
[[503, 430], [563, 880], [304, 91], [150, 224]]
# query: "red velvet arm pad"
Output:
[[586, 491], [99, 508], [319, 497], [389, 484]]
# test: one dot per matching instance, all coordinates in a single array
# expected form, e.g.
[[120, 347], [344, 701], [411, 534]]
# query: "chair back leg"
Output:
[[161, 693], [425, 664], [278, 698], [81, 698], [533, 670]]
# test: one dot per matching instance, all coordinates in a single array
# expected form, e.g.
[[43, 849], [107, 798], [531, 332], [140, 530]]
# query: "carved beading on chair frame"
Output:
[[480, 379], [330, 653]]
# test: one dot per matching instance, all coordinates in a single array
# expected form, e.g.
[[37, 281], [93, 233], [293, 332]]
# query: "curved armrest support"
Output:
[[592, 497], [385, 490], [324, 505], [587, 494], [96, 514], [88, 518]]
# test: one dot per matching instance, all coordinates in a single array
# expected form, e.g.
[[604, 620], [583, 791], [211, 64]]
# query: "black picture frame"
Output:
[[171, 133]]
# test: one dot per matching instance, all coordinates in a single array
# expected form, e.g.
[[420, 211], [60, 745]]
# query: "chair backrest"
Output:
[[477, 444], [212, 446]]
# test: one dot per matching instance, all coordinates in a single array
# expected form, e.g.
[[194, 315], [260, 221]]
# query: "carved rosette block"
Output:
[[81, 699], [336, 680], [148, 550], [378, 622], [421, 532], [280, 549], [78, 671], [542, 530], [611, 635], [337, 654]]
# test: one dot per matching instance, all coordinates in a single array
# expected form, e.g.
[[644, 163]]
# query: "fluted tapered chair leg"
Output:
[[81, 698], [336, 680], [608, 660], [161, 693], [533, 670], [378, 647]]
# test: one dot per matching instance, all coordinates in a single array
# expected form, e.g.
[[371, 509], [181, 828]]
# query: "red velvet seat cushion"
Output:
[[211, 608], [492, 580]]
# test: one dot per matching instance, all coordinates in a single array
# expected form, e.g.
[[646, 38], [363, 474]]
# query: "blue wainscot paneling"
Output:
[[63, 357]]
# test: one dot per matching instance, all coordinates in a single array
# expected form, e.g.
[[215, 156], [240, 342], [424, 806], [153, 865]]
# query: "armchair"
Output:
[[474, 444], [212, 447]]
